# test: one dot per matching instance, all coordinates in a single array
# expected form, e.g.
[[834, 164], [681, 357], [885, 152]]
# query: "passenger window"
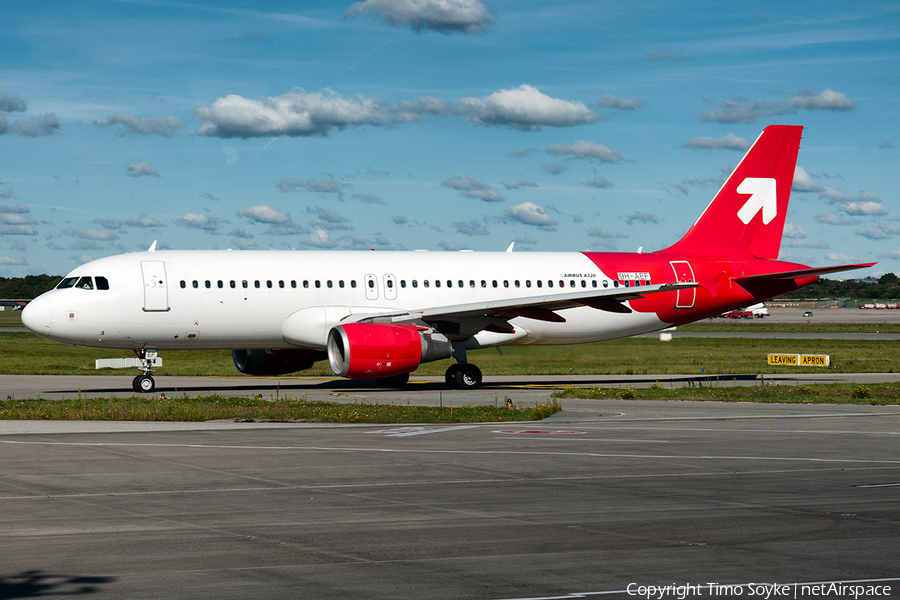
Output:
[[528, 283], [318, 283], [572, 283], [460, 283], [371, 284], [194, 284], [220, 284], [539, 283], [293, 283], [328, 283], [437, 283], [281, 283], [305, 283], [268, 284], [505, 283], [403, 283], [550, 284], [563, 283], [517, 283], [245, 284], [425, 283], [353, 283], [233, 285], [450, 284], [415, 283], [615, 283], [341, 283], [584, 283], [208, 284], [472, 283], [390, 284], [494, 283], [102, 283], [183, 284]]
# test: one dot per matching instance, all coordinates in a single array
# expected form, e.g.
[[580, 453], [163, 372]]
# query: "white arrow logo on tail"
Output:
[[762, 197]]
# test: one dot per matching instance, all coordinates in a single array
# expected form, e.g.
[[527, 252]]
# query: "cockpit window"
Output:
[[85, 283], [102, 283], [67, 283]]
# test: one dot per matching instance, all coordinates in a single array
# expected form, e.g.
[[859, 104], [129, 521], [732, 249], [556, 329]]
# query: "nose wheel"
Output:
[[463, 377], [143, 384]]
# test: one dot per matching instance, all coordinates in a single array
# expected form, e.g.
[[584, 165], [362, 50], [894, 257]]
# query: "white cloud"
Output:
[[16, 219], [641, 217], [298, 113], [525, 108], [313, 184], [794, 231], [470, 228], [40, 126], [319, 239], [17, 230], [529, 213], [863, 208], [587, 150], [195, 221], [601, 183], [141, 169], [452, 246], [742, 110], [832, 218], [728, 142], [8, 260], [472, 187], [12, 103], [444, 16], [879, 231], [264, 214], [90, 233], [143, 220], [610, 101], [843, 258], [164, 126], [368, 198], [803, 182]]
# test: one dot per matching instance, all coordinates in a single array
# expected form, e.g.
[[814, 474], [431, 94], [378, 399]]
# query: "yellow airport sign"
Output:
[[814, 360], [784, 359], [800, 360]]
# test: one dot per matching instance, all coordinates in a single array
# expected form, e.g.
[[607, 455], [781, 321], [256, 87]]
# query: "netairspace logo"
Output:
[[762, 591]]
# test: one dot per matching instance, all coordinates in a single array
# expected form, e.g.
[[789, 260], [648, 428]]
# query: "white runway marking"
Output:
[[469, 452], [408, 431]]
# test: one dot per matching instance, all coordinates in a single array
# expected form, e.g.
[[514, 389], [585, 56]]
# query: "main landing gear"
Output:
[[463, 376], [145, 383]]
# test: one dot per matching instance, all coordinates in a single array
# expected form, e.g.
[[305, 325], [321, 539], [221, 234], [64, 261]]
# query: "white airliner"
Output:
[[378, 315]]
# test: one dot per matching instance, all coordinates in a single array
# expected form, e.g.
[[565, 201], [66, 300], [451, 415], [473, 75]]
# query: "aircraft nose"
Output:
[[36, 316]]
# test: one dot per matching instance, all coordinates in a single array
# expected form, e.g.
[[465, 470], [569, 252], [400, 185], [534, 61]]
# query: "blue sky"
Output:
[[435, 124]]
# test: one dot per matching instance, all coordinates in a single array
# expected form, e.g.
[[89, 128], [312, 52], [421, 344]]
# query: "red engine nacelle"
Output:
[[274, 362], [373, 351]]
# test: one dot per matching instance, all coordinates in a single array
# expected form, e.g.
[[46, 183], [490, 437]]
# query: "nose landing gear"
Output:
[[145, 383]]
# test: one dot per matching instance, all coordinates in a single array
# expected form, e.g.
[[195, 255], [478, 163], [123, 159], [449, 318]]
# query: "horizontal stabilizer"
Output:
[[800, 273]]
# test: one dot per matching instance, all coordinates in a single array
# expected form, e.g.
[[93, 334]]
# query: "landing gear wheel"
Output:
[[467, 377], [143, 383], [450, 376], [397, 381]]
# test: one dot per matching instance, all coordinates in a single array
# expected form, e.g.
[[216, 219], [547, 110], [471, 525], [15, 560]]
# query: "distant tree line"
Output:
[[28, 287], [886, 287]]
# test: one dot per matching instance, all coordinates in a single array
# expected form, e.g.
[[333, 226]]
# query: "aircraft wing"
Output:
[[540, 307]]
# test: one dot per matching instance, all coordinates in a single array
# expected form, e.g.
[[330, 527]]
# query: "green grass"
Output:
[[727, 391], [811, 326], [27, 354], [207, 408], [10, 318]]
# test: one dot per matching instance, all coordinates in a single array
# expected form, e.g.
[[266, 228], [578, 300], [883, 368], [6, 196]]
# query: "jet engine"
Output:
[[274, 362], [375, 351]]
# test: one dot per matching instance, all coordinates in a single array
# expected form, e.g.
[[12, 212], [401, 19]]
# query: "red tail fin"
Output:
[[746, 216]]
